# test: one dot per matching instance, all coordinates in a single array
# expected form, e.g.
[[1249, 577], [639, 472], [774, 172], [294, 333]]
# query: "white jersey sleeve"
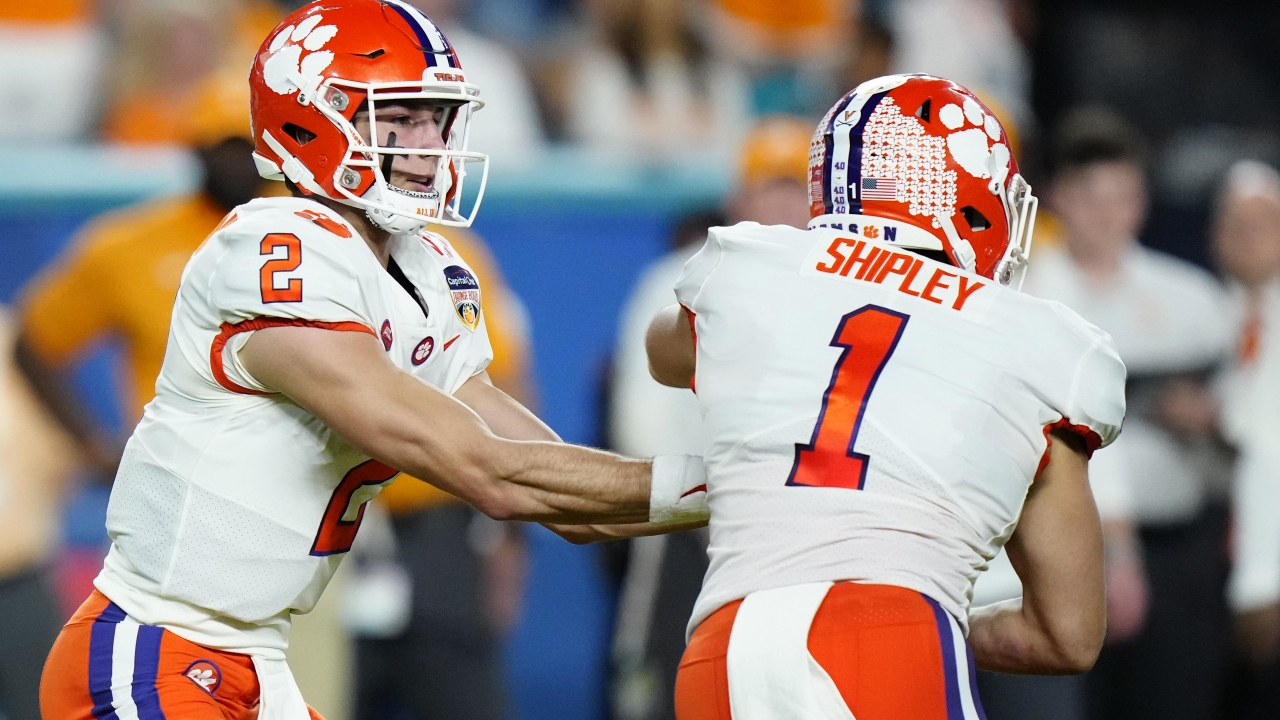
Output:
[[273, 269], [291, 268], [698, 268], [1093, 406]]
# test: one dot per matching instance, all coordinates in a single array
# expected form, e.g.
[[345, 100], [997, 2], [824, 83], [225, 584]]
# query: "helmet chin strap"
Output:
[[961, 250]]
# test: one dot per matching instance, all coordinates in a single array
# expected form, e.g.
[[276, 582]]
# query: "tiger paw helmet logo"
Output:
[[287, 71], [969, 146], [204, 673]]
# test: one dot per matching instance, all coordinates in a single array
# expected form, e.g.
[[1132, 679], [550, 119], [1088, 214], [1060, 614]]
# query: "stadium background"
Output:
[[573, 228]]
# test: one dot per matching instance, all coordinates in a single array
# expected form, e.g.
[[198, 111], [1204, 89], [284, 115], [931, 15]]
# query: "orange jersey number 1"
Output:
[[291, 260], [869, 336]]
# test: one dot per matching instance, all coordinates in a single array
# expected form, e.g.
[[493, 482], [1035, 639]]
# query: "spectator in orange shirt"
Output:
[[120, 277]]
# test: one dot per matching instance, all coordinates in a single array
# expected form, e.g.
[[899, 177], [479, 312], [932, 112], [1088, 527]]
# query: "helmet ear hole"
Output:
[[977, 221], [300, 135], [924, 111]]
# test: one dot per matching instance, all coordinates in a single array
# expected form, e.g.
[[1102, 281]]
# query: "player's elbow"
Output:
[[1074, 646], [1078, 659], [476, 474]]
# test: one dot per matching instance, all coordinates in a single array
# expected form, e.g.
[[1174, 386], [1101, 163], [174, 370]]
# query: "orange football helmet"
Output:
[[926, 153], [332, 58]]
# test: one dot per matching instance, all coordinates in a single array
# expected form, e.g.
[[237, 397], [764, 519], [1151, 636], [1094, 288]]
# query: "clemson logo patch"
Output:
[[423, 351], [205, 674]]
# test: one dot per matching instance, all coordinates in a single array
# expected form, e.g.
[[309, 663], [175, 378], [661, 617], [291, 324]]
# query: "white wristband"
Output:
[[678, 490]]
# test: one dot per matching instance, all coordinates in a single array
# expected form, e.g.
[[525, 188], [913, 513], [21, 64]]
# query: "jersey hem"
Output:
[[125, 596]]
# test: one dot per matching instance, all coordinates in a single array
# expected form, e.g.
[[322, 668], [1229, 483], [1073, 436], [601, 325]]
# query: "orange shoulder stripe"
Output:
[[230, 330]]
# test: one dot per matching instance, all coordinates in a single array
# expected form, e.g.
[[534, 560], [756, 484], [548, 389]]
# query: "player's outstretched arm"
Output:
[[346, 380], [509, 419], [669, 344], [1058, 625]]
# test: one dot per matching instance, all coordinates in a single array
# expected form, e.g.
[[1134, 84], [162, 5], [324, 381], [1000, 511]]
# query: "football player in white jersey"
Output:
[[319, 343], [885, 412]]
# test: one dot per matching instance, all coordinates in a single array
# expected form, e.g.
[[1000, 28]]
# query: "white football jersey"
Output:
[[234, 505], [874, 415]]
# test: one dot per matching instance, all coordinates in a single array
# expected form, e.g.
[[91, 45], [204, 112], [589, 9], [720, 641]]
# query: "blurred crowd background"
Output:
[[619, 130]]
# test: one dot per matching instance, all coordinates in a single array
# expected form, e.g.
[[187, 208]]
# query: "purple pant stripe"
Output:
[[146, 666], [973, 683], [954, 709], [102, 639]]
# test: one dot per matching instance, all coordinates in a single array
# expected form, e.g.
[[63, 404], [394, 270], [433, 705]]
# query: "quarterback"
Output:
[[885, 412], [318, 344]]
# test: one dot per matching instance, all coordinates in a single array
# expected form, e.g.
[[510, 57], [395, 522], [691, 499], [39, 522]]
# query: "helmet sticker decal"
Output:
[[287, 70], [992, 126], [969, 147], [970, 150], [896, 146], [319, 37], [305, 27], [973, 111], [952, 116]]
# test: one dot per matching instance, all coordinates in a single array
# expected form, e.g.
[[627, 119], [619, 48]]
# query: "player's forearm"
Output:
[[1010, 637], [583, 534], [511, 479], [347, 382], [553, 482]]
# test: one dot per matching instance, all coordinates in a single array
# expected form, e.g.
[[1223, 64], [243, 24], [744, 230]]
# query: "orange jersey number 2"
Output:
[[869, 336], [292, 292]]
